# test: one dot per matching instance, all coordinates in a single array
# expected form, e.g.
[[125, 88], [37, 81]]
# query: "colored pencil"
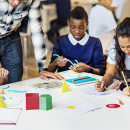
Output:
[[125, 81]]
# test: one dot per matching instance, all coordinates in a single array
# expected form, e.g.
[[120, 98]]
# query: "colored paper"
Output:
[[71, 107], [65, 87], [3, 98]]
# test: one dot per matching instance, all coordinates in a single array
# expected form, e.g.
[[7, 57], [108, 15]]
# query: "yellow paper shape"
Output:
[[71, 107], [2, 104], [65, 87]]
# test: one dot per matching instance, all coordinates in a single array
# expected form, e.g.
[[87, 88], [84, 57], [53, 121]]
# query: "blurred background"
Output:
[[54, 15]]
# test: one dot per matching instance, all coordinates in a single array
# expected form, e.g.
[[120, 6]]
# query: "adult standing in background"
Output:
[[101, 20], [63, 8], [116, 8], [12, 13]]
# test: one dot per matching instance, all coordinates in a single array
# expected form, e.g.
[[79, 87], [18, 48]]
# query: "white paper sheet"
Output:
[[80, 107], [9, 115], [91, 91]]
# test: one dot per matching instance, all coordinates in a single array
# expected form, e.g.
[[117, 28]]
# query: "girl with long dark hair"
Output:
[[118, 59]]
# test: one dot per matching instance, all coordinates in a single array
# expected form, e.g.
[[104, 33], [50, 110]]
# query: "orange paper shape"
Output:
[[65, 87]]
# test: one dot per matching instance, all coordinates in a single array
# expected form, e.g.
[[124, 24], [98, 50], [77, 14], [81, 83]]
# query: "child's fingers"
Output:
[[116, 85], [43, 77], [6, 72], [117, 88], [128, 93], [59, 76], [100, 89], [98, 82], [2, 74], [71, 67]]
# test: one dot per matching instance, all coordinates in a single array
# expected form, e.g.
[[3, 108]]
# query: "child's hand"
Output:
[[81, 67], [117, 85], [62, 62], [126, 92], [3, 72], [99, 86], [45, 75]]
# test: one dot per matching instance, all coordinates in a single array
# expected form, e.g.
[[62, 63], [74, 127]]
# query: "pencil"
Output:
[[125, 81], [80, 78], [98, 80], [120, 102]]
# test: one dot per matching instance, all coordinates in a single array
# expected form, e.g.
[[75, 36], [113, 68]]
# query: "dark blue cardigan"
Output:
[[91, 53]]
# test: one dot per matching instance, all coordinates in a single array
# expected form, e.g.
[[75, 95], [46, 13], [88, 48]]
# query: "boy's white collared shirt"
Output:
[[82, 42]]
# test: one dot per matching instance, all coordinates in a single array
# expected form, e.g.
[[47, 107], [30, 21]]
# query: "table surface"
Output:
[[101, 119]]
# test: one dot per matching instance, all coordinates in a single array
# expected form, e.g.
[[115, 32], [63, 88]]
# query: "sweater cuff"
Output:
[[102, 71]]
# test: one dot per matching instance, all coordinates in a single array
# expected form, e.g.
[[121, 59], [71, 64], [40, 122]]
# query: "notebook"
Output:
[[81, 80], [9, 116]]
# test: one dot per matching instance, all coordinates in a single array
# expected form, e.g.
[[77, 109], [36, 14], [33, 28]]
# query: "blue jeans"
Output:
[[11, 56]]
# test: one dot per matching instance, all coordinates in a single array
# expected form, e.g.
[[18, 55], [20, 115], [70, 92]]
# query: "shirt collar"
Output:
[[83, 41]]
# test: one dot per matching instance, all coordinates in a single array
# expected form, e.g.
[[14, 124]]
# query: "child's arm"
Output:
[[57, 62], [3, 76]]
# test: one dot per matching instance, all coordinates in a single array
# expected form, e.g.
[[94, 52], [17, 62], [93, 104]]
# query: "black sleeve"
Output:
[[123, 85]]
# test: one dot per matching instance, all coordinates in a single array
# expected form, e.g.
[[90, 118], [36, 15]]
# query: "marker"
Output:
[[120, 102], [80, 78], [98, 80]]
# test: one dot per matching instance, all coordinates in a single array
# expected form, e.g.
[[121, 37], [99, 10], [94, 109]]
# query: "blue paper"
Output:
[[80, 81], [3, 98]]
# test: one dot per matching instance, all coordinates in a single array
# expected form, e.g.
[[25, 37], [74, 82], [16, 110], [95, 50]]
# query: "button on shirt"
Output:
[[112, 56], [10, 20]]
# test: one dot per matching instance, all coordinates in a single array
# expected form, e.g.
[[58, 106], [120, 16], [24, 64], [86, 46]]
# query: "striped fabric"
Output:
[[10, 20]]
